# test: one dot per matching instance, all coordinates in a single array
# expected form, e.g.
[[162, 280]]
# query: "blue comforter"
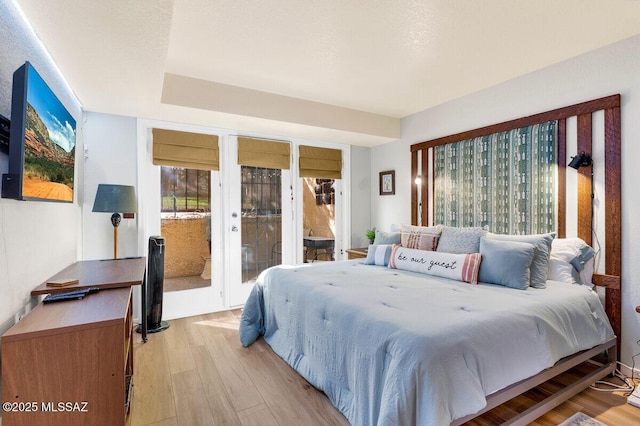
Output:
[[391, 347]]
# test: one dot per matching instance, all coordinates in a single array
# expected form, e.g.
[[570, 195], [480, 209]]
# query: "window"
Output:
[[184, 190]]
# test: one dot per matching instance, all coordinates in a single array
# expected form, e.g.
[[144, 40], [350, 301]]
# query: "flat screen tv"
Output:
[[42, 142]]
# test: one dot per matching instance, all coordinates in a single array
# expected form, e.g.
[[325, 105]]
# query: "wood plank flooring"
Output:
[[197, 373]]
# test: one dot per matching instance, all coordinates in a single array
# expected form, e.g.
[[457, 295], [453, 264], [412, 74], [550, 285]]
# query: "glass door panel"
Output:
[[259, 238], [319, 223], [261, 190], [186, 227], [185, 207]]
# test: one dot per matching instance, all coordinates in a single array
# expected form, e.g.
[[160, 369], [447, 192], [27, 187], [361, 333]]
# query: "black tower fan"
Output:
[[155, 281]]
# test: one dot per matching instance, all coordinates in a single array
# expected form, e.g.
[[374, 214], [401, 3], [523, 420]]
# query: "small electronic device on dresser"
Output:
[[69, 295]]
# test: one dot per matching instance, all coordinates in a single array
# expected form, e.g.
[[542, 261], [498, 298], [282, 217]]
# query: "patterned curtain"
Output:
[[505, 180]]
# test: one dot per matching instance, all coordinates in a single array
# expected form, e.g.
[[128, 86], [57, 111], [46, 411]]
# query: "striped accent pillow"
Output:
[[378, 254], [459, 267], [420, 237]]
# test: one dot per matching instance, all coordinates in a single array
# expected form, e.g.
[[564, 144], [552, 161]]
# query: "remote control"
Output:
[[69, 295]]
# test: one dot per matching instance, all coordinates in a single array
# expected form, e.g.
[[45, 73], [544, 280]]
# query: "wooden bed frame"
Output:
[[610, 280]]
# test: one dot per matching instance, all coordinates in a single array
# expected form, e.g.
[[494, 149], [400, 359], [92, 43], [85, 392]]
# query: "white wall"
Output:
[[391, 209], [610, 70], [360, 195], [37, 239], [110, 157]]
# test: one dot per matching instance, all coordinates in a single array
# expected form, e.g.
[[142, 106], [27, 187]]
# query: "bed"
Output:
[[396, 347], [392, 346]]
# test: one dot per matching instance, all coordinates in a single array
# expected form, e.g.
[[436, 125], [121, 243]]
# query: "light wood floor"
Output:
[[197, 373]]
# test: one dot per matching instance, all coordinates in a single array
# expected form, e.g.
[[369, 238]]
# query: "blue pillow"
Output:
[[379, 254], [386, 237], [506, 263], [540, 263]]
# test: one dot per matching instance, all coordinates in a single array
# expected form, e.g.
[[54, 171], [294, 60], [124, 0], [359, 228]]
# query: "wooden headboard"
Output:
[[611, 279]]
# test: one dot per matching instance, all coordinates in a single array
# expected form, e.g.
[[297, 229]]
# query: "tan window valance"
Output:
[[184, 149], [320, 162], [264, 153]]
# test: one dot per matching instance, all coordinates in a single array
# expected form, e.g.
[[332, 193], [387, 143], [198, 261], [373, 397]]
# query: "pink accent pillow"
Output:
[[420, 237]]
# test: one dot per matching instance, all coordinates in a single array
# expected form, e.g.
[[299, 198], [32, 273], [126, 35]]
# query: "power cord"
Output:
[[633, 362], [628, 386]]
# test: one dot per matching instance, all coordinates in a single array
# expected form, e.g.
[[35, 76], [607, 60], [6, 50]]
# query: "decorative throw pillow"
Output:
[[383, 237], [420, 237], [506, 263], [571, 260], [378, 254], [540, 263], [460, 240], [459, 267]]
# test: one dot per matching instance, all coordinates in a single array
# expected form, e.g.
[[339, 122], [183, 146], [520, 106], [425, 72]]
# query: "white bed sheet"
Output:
[[396, 347]]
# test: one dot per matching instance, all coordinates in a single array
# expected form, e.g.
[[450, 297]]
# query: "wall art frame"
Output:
[[388, 182]]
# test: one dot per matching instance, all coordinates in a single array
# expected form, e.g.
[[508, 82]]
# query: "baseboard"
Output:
[[627, 372]]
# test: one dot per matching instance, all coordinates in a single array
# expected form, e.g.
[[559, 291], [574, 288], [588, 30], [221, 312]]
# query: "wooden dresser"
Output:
[[71, 362]]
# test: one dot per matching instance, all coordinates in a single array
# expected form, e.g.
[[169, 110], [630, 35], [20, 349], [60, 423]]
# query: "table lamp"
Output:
[[114, 199]]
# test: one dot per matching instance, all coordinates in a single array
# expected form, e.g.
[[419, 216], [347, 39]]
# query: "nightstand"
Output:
[[357, 253]]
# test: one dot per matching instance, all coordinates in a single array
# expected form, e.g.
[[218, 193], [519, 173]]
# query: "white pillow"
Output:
[[395, 227], [560, 270], [571, 261], [459, 267]]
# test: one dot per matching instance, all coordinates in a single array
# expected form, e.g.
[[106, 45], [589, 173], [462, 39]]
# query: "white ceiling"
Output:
[[343, 70]]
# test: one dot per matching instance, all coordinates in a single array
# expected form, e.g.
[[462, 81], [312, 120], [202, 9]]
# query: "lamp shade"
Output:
[[115, 199]]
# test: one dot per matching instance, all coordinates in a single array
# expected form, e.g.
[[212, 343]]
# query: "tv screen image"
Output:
[[49, 144], [42, 142]]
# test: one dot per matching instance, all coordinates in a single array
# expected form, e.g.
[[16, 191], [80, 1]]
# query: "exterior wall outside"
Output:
[[319, 218], [185, 242]]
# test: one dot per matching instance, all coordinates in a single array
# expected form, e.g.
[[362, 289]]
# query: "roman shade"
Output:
[[320, 162], [184, 149], [264, 153]]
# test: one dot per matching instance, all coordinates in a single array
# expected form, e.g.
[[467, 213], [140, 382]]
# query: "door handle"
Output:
[[234, 228]]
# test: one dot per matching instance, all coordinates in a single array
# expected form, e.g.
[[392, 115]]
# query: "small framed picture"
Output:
[[388, 182]]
